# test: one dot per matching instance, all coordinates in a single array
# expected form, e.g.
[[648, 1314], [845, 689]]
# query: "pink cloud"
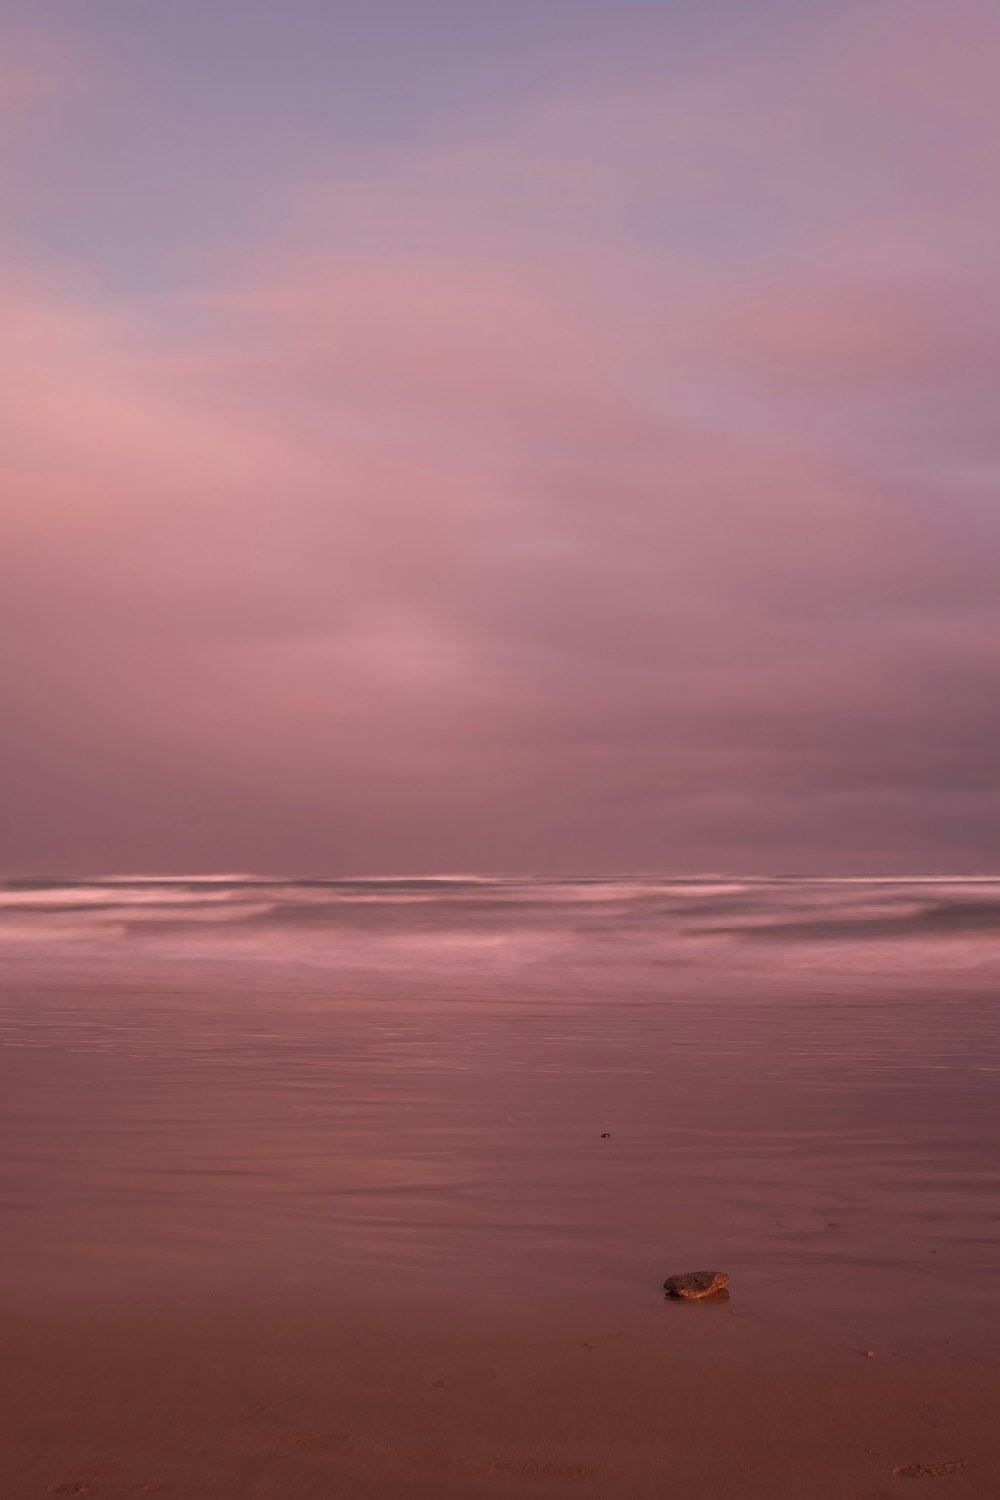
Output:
[[505, 510]]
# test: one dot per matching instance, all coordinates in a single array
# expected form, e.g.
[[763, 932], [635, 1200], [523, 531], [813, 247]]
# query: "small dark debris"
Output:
[[929, 1471]]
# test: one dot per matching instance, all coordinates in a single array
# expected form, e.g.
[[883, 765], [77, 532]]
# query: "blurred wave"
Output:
[[669, 920]]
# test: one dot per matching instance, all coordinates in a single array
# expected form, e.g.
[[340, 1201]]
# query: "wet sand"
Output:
[[318, 1396], [372, 1194]]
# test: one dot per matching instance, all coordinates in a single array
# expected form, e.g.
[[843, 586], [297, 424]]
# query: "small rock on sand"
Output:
[[692, 1284]]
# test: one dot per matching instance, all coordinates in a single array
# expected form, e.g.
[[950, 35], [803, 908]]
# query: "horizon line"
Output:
[[251, 877]]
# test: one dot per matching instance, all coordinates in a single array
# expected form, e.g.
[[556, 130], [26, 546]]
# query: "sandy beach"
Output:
[[319, 1396], [339, 1191]]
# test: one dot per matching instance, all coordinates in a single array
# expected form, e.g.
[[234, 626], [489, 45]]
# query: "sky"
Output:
[[449, 435]]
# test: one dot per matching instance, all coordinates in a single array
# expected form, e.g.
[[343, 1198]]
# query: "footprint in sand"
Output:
[[90, 1487], [929, 1471], [360, 1453], [86, 1483], [540, 1468], [340, 1443]]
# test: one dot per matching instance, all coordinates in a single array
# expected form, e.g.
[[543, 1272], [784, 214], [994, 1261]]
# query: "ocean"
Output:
[[562, 1087]]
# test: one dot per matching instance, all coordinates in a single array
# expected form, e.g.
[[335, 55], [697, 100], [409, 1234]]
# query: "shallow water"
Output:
[[233, 1082]]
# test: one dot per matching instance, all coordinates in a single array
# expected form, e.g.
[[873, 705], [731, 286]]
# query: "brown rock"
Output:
[[694, 1284]]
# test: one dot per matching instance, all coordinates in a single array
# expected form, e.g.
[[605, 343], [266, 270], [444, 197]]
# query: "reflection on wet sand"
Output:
[[416, 1078], [466, 1100]]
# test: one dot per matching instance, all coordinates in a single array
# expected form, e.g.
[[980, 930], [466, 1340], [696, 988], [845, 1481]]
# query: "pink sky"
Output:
[[600, 473]]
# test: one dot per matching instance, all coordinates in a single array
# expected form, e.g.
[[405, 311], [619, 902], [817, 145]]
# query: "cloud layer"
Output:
[[608, 482]]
